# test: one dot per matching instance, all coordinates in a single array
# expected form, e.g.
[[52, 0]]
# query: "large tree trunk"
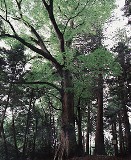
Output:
[[99, 136], [67, 147], [68, 138]]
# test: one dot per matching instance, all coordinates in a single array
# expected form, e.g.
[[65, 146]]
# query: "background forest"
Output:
[[63, 94]]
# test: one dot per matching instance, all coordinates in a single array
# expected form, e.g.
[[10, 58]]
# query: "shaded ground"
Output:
[[101, 158]]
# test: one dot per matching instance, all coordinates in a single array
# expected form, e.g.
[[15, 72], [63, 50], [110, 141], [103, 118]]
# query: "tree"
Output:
[[123, 90], [62, 25]]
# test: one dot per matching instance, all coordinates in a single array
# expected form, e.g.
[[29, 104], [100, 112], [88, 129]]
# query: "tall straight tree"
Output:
[[50, 22], [99, 136], [124, 95]]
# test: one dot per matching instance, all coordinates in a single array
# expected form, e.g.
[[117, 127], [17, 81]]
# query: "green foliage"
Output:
[[41, 71], [74, 18], [100, 61], [87, 16]]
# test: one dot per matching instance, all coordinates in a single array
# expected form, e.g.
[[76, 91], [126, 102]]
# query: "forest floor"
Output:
[[101, 158]]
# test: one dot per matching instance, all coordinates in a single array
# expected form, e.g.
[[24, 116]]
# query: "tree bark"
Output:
[[14, 134], [114, 134], [5, 143], [99, 136], [27, 126], [80, 145], [6, 106], [88, 131], [68, 137], [121, 138], [127, 130], [123, 51], [34, 132]]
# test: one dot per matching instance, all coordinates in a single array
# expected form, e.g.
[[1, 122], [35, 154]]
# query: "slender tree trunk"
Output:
[[90, 145], [99, 136], [34, 138], [122, 96], [55, 140], [80, 145], [114, 134], [6, 106], [54, 132], [121, 139], [88, 131], [127, 130], [14, 135], [50, 141], [27, 126], [5, 144]]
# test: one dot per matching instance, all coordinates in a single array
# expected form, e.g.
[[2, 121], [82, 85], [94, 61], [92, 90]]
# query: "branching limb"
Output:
[[59, 34], [35, 49], [39, 83], [39, 40], [11, 26], [43, 51], [5, 9], [78, 13], [45, 4], [19, 7]]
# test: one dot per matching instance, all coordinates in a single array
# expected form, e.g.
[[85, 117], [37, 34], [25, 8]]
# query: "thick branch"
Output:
[[43, 51], [35, 49], [38, 82], [39, 40], [60, 36]]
